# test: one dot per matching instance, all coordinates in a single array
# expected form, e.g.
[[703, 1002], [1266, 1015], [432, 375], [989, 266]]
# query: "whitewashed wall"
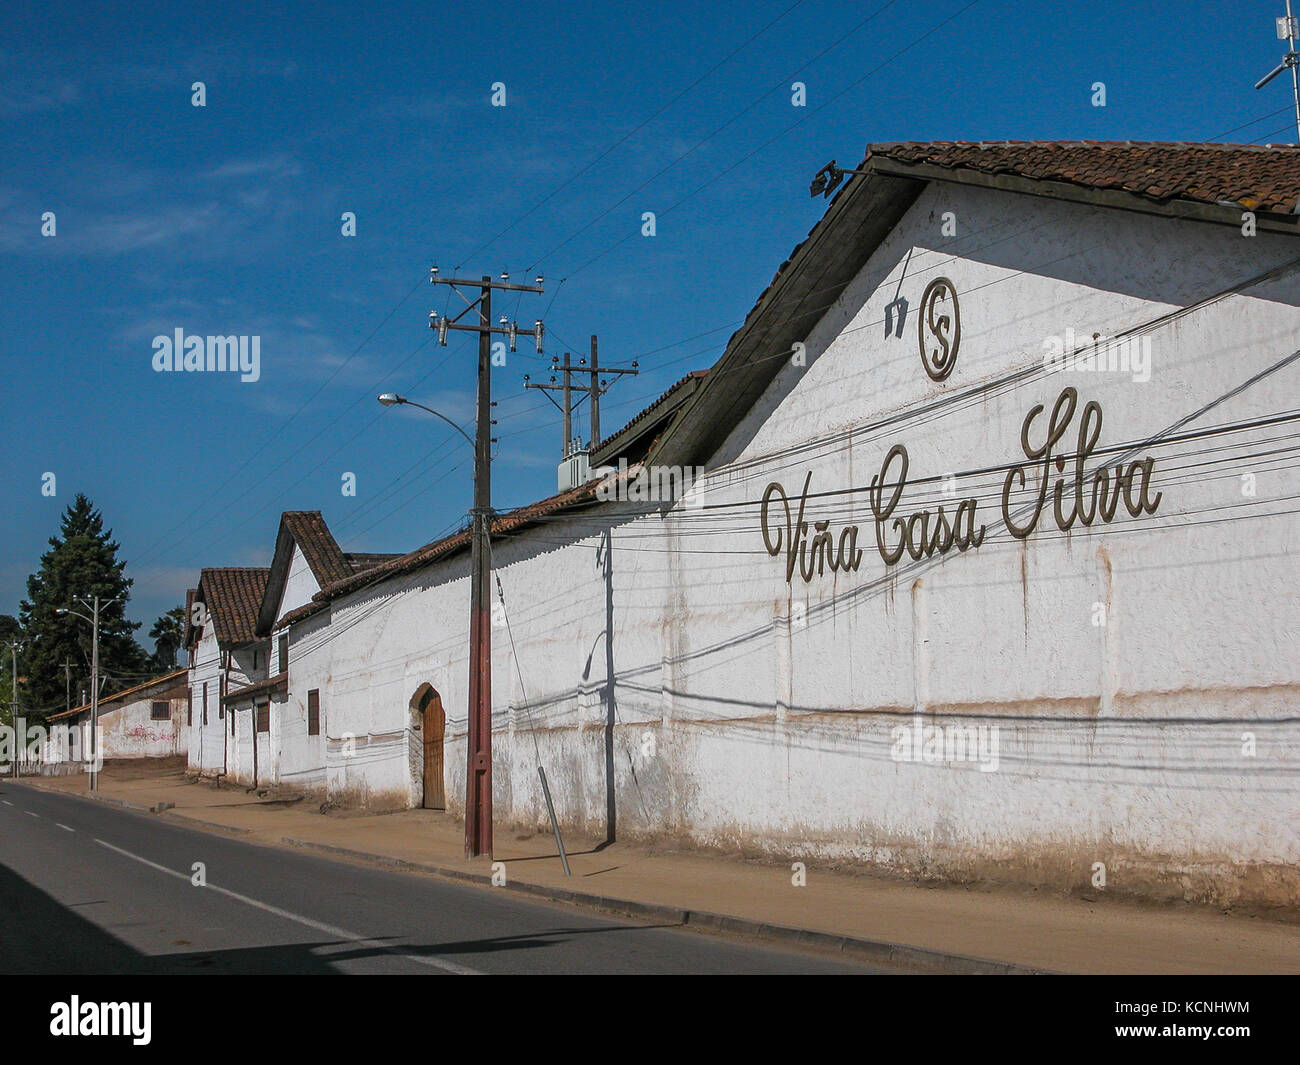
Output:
[[206, 740], [300, 756], [248, 665], [131, 731], [287, 754], [748, 712], [1120, 743], [300, 584]]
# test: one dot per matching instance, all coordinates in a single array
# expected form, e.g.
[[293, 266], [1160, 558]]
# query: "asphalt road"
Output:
[[90, 888]]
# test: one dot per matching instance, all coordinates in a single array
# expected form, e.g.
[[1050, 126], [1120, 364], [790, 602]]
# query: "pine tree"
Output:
[[82, 562]]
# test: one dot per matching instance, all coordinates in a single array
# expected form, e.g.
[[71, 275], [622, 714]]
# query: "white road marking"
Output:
[[331, 930], [65, 827], [6, 802], [30, 814]]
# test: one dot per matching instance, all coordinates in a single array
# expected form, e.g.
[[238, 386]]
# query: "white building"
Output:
[[144, 721], [275, 739], [990, 573], [225, 654]]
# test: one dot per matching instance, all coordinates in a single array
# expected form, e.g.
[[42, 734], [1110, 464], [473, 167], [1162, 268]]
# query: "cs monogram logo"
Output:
[[939, 328]]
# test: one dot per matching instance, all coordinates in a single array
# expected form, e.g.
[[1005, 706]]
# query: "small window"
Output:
[[284, 652], [233, 715], [254, 660], [160, 711], [313, 712], [205, 702], [263, 717], [189, 706]]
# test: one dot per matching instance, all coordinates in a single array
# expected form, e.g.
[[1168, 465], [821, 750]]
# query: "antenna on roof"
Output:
[[1288, 29], [828, 179]]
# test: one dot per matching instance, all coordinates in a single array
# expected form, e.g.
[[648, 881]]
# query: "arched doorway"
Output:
[[426, 707]]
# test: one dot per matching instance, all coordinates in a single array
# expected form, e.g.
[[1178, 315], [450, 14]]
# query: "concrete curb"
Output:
[[876, 951], [176, 817]]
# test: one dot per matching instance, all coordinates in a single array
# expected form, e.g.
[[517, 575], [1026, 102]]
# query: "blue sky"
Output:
[[225, 219]]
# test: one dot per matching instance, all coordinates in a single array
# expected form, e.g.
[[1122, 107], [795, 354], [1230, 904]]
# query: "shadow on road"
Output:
[[41, 936]]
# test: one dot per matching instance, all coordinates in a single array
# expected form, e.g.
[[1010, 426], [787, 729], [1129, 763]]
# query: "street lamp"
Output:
[[94, 677], [19, 742], [392, 399]]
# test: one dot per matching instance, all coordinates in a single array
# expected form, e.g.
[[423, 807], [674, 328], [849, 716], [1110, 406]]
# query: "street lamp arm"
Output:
[[412, 403]]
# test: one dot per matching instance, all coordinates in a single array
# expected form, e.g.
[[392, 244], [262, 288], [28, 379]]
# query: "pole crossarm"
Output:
[[592, 391], [483, 304], [498, 285]]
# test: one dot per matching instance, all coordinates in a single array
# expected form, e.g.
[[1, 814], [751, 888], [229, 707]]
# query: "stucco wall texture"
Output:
[[131, 731], [1141, 673]]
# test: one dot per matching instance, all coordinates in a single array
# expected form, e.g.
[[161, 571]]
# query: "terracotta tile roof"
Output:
[[306, 529], [457, 541], [647, 421], [1267, 179], [233, 597], [317, 543], [360, 561], [166, 683]]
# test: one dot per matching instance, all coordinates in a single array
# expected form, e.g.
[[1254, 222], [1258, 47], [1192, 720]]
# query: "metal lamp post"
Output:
[[14, 647], [95, 606]]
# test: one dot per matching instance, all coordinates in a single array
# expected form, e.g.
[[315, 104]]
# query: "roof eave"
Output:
[[1228, 214], [643, 429]]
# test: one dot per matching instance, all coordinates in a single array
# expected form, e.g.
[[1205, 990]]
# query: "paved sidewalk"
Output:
[[1020, 929]]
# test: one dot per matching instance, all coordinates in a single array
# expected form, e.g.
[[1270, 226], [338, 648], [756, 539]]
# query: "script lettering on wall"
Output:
[[1077, 496]]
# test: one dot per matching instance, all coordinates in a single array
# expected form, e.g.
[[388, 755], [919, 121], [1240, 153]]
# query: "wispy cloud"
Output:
[[277, 166], [33, 90], [39, 96], [244, 203]]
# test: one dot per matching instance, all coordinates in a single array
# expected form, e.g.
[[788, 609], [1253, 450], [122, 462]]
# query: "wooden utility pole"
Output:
[[567, 389], [597, 388], [94, 700], [594, 389], [478, 779]]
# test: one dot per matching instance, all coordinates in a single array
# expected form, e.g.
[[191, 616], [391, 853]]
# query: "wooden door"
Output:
[[433, 725]]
